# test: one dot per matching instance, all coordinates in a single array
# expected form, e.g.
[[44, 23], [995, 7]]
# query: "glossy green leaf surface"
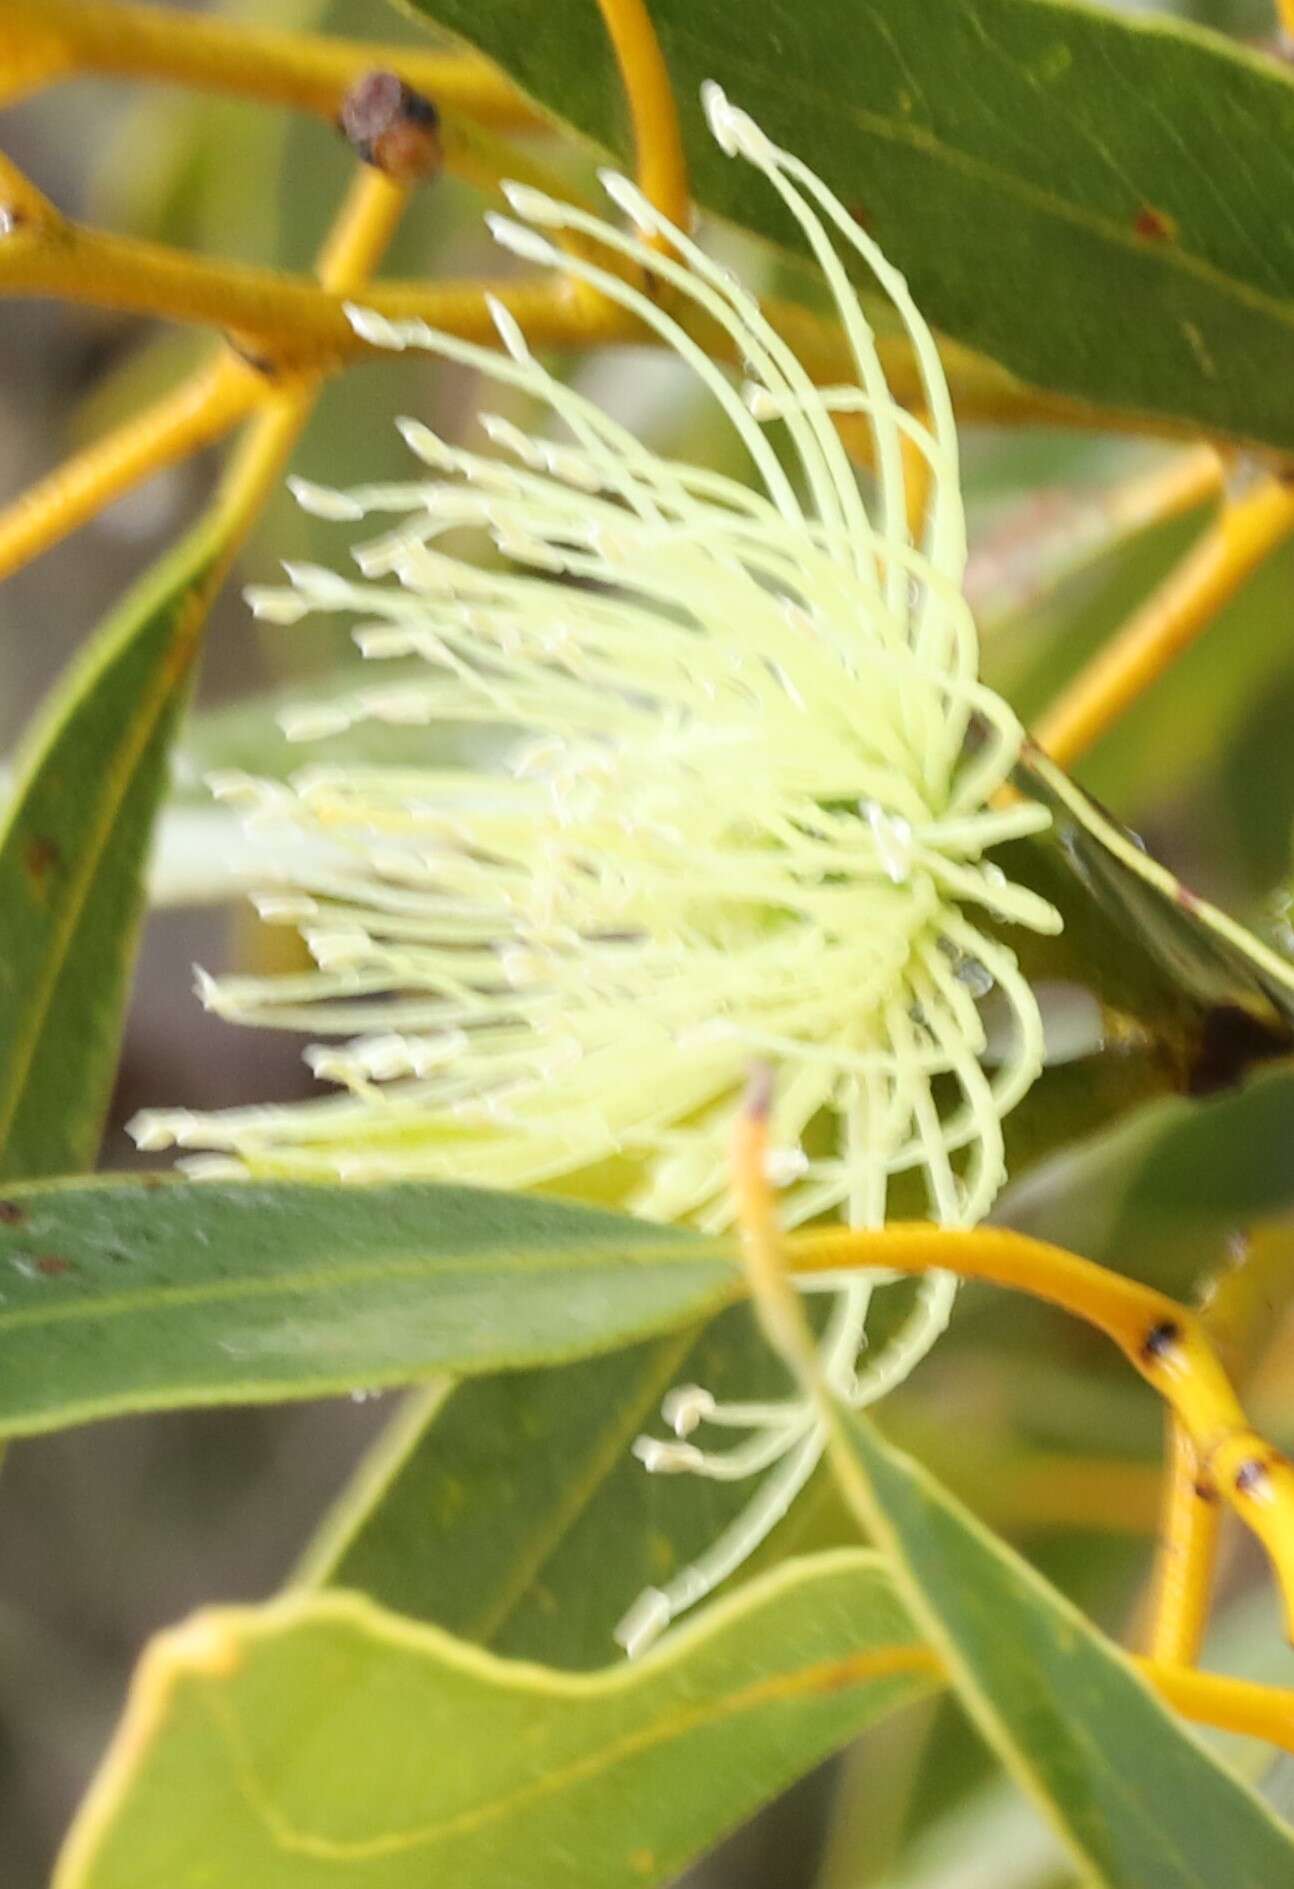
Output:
[[1135, 1796], [320, 1740], [72, 856], [118, 1296], [1094, 200]]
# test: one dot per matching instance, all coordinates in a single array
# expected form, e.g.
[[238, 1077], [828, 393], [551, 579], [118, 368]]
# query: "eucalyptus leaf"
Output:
[[510, 1510], [72, 855], [1208, 956], [320, 1740], [1135, 1796], [120, 1296], [1168, 1183], [1089, 198]]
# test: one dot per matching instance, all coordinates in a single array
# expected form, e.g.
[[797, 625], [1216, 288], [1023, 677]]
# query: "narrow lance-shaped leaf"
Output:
[[1136, 1797], [1161, 1191], [511, 1510], [320, 1740], [1091, 199], [119, 1296], [72, 856], [1211, 958]]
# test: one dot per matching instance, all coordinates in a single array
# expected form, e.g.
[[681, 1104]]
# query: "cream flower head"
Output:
[[751, 779]]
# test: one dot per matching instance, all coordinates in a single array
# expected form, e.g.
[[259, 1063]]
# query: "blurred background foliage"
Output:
[[111, 1531]]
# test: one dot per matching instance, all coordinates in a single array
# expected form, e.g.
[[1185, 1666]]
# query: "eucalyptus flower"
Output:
[[747, 781]]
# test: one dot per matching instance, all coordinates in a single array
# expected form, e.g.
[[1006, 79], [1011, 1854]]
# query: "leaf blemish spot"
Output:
[[53, 1265], [1155, 226], [40, 858], [11, 1214]]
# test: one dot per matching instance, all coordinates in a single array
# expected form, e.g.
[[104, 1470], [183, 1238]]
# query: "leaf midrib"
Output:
[[363, 1272]]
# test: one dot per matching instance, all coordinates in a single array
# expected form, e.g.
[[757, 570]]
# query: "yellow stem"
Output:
[[1188, 1542], [363, 228], [1231, 1705], [1108, 1494], [283, 320], [292, 321], [196, 413], [1162, 1339], [1169, 491], [352, 249], [777, 1304], [202, 409], [1247, 530], [42, 40], [22, 205], [658, 142]]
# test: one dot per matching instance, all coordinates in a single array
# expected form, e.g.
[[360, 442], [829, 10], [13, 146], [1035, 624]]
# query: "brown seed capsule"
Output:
[[392, 127]]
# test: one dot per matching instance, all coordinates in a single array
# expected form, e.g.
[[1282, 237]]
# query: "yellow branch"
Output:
[[1163, 1340], [22, 206], [1231, 1705], [1169, 491], [1160, 1337], [43, 40], [1188, 1542], [290, 320], [285, 320], [1107, 1494], [201, 410], [658, 142], [1247, 530]]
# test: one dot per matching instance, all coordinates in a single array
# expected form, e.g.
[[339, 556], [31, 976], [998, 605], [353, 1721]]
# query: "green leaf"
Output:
[[511, 1511], [1167, 1184], [320, 1740], [72, 855], [118, 1296], [1134, 1795], [1213, 961], [1088, 198]]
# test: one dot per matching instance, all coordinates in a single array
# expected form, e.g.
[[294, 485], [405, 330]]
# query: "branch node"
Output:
[[392, 127]]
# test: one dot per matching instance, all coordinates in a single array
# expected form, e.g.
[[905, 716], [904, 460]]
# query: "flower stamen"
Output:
[[733, 782]]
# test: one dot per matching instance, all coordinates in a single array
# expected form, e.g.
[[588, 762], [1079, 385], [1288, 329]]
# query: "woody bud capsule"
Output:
[[392, 127]]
